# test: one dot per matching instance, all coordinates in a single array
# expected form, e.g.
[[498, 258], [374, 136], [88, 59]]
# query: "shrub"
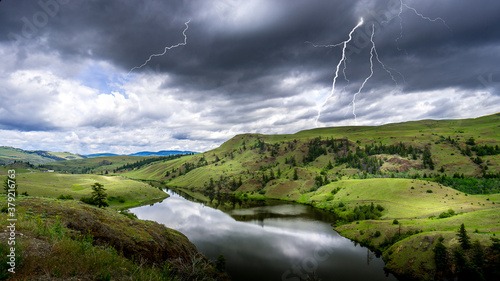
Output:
[[395, 221], [447, 214], [377, 234], [88, 200], [220, 263], [65, 197], [128, 214], [429, 191]]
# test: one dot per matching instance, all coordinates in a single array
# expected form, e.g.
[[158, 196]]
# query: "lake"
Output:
[[267, 240]]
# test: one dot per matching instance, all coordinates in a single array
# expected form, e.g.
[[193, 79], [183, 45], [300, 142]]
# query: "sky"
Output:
[[72, 75]]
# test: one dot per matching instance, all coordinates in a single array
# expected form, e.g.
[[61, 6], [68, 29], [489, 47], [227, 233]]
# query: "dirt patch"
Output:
[[282, 189], [401, 165]]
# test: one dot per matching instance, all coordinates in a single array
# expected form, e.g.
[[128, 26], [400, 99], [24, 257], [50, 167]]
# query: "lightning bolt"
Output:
[[402, 4], [165, 50], [342, 60], [372, 50], [424, 17], [373, 53]]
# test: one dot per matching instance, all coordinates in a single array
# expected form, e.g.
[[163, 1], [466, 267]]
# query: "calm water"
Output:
[[268, 240]]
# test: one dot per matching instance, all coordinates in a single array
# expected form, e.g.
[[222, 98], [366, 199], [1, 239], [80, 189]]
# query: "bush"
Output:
[[65, 197], [429, 191], [447, 214], [88, 200], [220, 263], [395, 221], [128, 214], [377, 234]]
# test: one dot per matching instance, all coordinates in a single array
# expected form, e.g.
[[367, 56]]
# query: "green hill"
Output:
[[430, 175], [429, 147], [10, 154], [96, 165]]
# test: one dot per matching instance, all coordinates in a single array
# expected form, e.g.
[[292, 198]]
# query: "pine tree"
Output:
[[463, 238], [477, 254], [295, 175], [440, 256], [99, 195], [6, 185]]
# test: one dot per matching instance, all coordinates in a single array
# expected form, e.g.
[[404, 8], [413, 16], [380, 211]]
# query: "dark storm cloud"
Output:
[[246, 63], [240, 58]]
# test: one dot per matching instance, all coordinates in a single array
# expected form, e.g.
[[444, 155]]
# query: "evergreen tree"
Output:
[[295, 175], [99, 195], [6, 185], [440, 256], [463, 237], [477, 254]]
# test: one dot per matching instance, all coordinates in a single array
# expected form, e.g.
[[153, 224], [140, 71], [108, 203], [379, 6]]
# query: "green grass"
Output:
[[10, 154], [98, 165], [66, 240], [398, 197], [54, 184]]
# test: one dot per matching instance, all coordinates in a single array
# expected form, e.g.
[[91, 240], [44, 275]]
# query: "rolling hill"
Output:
[[10, 154], [430, 176]]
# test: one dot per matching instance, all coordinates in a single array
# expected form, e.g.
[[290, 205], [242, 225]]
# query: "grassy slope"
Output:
[[69, 240], [55, 184], [418, 133], [97, 164], [239, 157], [10, 154]]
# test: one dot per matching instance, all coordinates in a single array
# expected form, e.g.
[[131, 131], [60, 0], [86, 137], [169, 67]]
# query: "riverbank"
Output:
[[415, 215], [122, 193]]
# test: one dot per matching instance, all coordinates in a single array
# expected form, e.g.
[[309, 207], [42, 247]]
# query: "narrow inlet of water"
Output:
[[268, 240]]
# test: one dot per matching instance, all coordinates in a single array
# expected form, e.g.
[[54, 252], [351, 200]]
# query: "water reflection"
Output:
[[274, 241]]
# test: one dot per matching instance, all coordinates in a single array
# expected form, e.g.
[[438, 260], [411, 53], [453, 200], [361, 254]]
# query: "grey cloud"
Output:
[[232, 70]]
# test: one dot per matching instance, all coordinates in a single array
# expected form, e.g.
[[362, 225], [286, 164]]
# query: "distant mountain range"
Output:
[[10, 155], [142, 153]]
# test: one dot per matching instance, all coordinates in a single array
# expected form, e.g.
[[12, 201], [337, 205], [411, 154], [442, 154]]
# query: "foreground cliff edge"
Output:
[[70, 240]]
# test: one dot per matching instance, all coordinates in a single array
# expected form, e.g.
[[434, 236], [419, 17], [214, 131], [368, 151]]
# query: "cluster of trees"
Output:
[[468, 261], [267, 178], [315, 149], [223, 182], [470, 185], [362, 212], [399, 148], [482, 150], [149, 160], [360, 160], [427, 159]]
